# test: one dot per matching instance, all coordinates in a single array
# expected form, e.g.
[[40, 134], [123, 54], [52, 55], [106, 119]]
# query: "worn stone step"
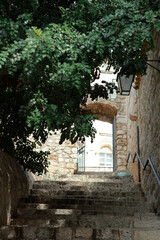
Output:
[[95, 202], [139, 197], [89, 221], [89, 207], [81, 191], [83, 182], [93, 179], [96, 198], [107, 209], [110, 197], [39, 233], [46, 211], [80, 184], [133, 196], [89, 178], [103, 193]]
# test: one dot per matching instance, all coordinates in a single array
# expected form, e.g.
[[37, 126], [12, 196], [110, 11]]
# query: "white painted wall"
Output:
[[102, 143]]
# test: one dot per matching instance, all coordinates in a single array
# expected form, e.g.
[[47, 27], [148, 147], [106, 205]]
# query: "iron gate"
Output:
[[81, 158]]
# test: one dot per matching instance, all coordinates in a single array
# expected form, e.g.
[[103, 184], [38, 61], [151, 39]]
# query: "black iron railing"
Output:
[[143, 165]]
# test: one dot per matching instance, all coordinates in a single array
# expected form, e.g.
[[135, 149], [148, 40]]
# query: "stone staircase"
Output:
[[84, 207]]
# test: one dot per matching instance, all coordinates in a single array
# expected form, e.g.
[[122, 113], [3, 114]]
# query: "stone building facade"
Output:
[[143, 110], [63, 158]]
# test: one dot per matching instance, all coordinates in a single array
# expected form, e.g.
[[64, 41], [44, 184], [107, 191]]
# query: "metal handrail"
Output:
[[143, 166]]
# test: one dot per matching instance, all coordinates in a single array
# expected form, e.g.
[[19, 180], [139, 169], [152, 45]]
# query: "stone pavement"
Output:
[[84, 207]]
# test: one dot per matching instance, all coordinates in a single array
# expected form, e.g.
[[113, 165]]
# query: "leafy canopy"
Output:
[[49, 55]]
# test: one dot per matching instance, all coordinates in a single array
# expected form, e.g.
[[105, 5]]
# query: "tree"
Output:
[[50, 52]]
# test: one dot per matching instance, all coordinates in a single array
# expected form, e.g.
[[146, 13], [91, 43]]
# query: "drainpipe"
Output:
[[114, 146], [138, 145]]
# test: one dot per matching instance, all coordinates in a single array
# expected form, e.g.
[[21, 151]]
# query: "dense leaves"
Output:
[[50, 52]]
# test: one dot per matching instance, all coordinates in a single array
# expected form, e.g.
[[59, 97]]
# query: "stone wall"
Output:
[[147, 110], [121, 133], [63, 158], [14, 184], [104, 109], [132, 122]]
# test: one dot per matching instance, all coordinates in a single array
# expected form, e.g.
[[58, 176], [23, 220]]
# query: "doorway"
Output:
[[99, 155]]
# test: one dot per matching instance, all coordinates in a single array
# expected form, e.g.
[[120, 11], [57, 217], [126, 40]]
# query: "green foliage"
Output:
[[120, 28], [49, 55]]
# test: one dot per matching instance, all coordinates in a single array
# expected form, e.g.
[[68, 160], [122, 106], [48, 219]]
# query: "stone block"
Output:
[[70, 165], [74, 150], [119, 162], [133, 117], [7, 233], [147, 235], [148, 222], [84, 233], [119, 148], [64, 234], [53, 157], [104, 234], [38, 232], [53, 169], [126, 235], [121, 120], [119, 132]]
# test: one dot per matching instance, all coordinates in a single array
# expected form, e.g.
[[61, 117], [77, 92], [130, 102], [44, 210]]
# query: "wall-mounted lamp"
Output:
[[125, 83]]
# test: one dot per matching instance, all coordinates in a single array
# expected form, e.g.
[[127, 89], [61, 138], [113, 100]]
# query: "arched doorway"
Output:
[[99, 156]]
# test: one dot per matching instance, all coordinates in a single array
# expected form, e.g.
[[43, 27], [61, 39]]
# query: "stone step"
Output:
[[86, 201], [137, 195], [68, 233], [93, 196], [83, 191], [88, 177], [80, 184], [88, 221], [108, 209], [80, 199], [34, 210], [84, 207], [84, 185]]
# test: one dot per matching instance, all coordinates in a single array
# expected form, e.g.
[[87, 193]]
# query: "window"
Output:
[[105, 159]]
